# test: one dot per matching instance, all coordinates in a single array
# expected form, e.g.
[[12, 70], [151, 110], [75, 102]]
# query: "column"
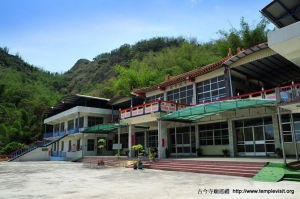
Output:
[[145, 141], [276, 131], [66, 125], [294, 137], [165, 96], [281, 135], [232, 138], [197, 136], [162, 139], [194, 101], [85, 121], [130, 140], [119, 138]]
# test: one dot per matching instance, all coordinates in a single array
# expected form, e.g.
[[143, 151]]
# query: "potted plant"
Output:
[[225, 152], [151, 157], [199, 152], [279, 153], [139, 151], [101, 145], [117, 155]]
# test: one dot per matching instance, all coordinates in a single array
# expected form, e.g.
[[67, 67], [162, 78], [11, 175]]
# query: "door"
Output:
[[181, 144], [251, 142]]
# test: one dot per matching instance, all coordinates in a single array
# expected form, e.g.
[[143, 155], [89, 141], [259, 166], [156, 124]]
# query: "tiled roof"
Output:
[[183, 77], [202, 70]]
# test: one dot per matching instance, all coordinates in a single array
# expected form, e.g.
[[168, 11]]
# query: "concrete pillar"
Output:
[[232, 138], [194, 101], [162, 139], [145, 141], [281, 135], [165, 96], [119, 138], [197, 136], [130, 140], [294, 137], [66, 125], [276, 130], [85, 121]]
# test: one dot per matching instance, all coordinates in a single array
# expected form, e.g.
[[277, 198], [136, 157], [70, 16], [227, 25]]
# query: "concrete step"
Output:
[[250, 167], [230, 173]]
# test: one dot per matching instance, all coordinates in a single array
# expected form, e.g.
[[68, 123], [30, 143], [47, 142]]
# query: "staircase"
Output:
[[44, 143], [231, 168]]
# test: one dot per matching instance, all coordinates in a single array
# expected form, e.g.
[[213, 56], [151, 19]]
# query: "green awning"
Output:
[[203, 110], [109, 127], [104, 127]]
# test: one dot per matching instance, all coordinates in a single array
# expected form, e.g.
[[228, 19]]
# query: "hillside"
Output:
[[26, 91]]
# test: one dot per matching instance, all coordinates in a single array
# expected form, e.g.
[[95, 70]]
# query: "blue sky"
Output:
[[54, 34]]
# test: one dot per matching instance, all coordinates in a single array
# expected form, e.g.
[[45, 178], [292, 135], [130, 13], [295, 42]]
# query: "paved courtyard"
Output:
[[73, 180]]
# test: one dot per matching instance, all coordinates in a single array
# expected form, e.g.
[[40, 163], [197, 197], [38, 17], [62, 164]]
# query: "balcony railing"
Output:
[[290, 93], [63, 133], [151, 107]]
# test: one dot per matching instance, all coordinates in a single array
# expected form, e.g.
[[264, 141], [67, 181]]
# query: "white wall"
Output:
[[38, 154]]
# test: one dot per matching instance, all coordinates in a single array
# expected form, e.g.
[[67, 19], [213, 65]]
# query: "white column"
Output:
[[194, 93], [281, 135], [294, 137], [85, 121], [162, 135], [231, 137], [130, 133], [165, 96], [119, 138], [276, 131], [145, 141], [66, 125], [197, 136]]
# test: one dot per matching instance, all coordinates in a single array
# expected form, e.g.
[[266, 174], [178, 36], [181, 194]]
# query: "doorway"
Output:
[[182, 141], [255, 137]]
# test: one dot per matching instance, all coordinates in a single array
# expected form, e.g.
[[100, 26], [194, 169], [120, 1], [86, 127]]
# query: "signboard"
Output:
[[115, 146]]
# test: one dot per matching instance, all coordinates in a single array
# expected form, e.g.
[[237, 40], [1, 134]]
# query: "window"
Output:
[[70, 124], [56, 128], [80, 122], [62, 127], [124, 140], [182, 95], [152, 139], [91, 145], [54, 147], [139, 138], [155, 97], [92, 121], [78, 145], [210, 90], [70, 145], [287, 127], [62, 145], [214, 134]]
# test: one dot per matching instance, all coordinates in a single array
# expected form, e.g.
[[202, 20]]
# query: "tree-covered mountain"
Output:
[[26, 91]]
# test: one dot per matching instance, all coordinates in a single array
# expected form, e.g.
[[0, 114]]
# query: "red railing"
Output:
[[151, 107], [27, 148], [287, 93]]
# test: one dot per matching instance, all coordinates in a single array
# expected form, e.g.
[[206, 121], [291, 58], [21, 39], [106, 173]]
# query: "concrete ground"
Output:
[[73, 180]]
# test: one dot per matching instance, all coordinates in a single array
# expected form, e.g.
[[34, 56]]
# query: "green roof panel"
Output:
[[193, 113]]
